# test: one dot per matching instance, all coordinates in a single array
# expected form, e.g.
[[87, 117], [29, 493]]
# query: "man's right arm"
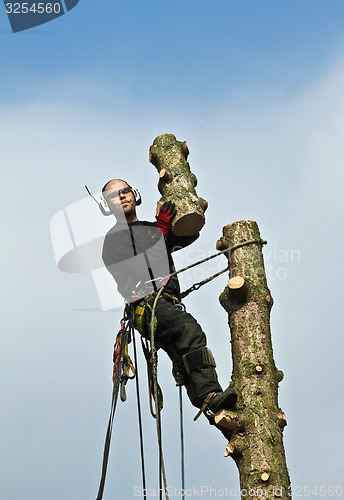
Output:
[[129, 270], [115, 257]]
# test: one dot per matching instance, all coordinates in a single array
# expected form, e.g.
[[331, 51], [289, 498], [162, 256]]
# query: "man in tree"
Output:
[[138, 255]]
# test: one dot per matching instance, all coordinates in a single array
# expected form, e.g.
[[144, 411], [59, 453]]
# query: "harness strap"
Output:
[[173, 297], [207, 400], [138, 317]]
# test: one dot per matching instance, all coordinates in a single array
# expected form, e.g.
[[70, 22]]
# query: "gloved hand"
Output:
[[166, 215]]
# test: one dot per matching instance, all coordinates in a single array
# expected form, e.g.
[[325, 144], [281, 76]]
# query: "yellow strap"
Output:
[[173, 296], [140, 310], [138, 317]]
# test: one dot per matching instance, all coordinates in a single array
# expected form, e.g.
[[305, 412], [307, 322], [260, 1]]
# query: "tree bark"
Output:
[[177, 183], [257, 444]]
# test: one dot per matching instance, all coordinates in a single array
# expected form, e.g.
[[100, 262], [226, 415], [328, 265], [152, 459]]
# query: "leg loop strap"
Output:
[[198, 358]]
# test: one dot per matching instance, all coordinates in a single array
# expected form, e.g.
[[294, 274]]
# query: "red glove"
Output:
[[166, 215]]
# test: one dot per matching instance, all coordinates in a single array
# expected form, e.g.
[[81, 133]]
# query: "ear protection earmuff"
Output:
[[104, 207], [137, 196]]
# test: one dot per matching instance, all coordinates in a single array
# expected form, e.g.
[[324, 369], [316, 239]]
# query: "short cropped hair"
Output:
[[105, 187]]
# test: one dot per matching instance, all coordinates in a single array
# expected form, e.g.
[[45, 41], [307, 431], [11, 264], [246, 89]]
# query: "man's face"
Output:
[[122, 204]]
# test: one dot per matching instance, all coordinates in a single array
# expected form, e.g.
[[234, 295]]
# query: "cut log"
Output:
[[177, 184]]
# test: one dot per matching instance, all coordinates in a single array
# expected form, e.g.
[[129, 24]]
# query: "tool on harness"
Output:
[[119, 360], [127, 363], [148, 357]]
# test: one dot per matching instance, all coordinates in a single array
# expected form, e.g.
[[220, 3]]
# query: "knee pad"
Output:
[[198, 358]]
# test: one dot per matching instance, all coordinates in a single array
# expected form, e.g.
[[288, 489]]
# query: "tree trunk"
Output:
[[177, 183], [257, 442]]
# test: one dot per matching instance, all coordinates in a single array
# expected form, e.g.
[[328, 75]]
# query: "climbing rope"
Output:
[[139, 418], [155, 390], [181, 440]]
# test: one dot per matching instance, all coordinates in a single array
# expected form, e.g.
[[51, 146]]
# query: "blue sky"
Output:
[[256, 89], [187, 49]]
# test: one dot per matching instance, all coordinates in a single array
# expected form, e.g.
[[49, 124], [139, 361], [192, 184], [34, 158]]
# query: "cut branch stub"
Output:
[[229, 450], [236, 293], [228, 419], [237, 289], [177, 184]]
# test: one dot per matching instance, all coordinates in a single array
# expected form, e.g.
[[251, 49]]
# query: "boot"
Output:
[[216, 401], [200, 376], [225, 400]]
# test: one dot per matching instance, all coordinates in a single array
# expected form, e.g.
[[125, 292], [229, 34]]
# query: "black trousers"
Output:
[[178, 333]]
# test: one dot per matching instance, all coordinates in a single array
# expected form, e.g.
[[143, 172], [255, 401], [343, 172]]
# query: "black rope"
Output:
[[139, 416], [161, 474], [181, 440], [155, 392]]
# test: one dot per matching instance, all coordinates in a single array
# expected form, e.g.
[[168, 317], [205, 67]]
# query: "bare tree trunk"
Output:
[[177, 183], [257, 442]]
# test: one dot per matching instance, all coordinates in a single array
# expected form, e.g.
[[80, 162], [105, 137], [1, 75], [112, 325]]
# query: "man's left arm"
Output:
[[164, 220], [175, 243]]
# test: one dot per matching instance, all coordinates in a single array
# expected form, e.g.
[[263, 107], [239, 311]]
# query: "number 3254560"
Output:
[[35, 8]]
